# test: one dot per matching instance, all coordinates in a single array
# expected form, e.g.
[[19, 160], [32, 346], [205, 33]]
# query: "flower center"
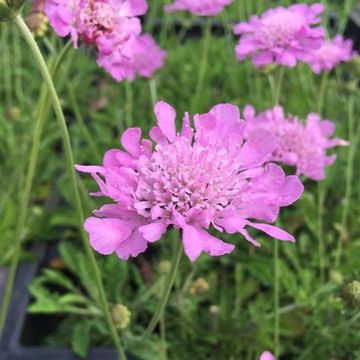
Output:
[[279, 29], [98, 17], [181, 176]]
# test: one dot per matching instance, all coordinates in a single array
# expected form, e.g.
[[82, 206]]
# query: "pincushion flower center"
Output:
[[99, 16], [279, 29], [181, 176]]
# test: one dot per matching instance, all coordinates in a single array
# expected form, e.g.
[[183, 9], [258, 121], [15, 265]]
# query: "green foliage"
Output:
[[234, 319]]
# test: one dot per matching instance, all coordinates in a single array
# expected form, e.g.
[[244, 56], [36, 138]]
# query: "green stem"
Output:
[[320, 188], [25, 197], [276, 299], [6, 63], [279, 84], [278, 88], [323, 91], [128, 104], [70, 167], [321, 248], [80, 120], [17, 65], [349, 178], [203, 66], [166, 290], [153, 91]]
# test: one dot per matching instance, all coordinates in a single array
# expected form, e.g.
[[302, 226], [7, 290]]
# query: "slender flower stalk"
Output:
[[25, 198], [276, 300], [278, 89], [128, 104], [153, 91], [81, 123], [24, 30], [353, 139], [166, 289], [321, 190], [203, 66], [5, 55], [18, 86]]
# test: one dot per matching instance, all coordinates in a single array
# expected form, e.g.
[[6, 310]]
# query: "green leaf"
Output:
[[81, 339]]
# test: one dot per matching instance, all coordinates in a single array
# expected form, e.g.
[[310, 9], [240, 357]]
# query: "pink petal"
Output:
[[267, 356], [106, 235], [133, 246], [192, 242], [166, 115], [133, 8], [214, 246], [273, 231], [153, 231], [130, 140]]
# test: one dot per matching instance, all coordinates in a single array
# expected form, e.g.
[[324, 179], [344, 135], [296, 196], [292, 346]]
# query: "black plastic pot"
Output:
[[20, 329]]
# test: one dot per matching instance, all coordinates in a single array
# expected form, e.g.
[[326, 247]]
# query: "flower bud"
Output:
[[9, 9], [336, 277], [121, 316], [351, 293], [13, 113], [38, 24], [164, 267], [199, 287]]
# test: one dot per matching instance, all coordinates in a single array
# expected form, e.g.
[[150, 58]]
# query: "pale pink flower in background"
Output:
[[280, 35], [330, 54], [140, 55], [212, 175], [199, 7], [114, 28], [267, 355], [303, 145]]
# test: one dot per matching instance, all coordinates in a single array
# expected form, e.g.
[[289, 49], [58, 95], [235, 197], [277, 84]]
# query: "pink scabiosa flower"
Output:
[[140, 55], [99, 22], [303, 145], [210, 176], [267, 355], [330, 54], [114, 28], [199, 7], [281, 35]]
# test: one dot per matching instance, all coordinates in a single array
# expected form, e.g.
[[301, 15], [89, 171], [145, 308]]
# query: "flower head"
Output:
[[140, 55], [114, 28], [199, 7], [330, 54], [212, 175], [281, 35], [298, 144]]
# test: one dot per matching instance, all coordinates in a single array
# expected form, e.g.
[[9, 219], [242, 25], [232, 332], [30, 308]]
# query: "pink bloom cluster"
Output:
[[215, 174], [298, 144], [281, 35], [114, 28], [330, 54], [199, 7]]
